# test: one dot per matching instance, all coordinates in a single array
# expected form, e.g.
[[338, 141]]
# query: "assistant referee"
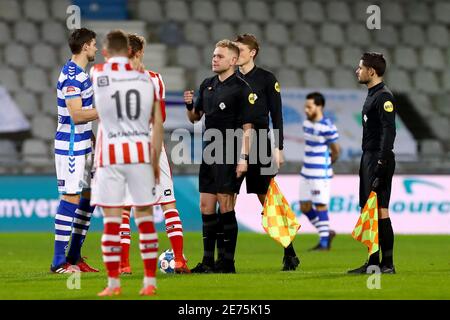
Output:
[[378, 161]]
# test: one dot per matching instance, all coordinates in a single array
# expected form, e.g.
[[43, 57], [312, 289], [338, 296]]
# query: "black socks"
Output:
[[386, 237], [289, 251], [209, 238], [220, 243], [230, 232]]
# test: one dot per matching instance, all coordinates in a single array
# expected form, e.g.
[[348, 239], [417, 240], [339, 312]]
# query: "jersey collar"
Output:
[[376, 88], [118, 60]]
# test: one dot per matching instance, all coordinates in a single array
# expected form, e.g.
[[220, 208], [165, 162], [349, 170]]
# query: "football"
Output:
[[166, 261]]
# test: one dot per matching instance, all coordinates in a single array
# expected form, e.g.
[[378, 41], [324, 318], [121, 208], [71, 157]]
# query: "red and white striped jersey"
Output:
[[160, 89], [124, 99]]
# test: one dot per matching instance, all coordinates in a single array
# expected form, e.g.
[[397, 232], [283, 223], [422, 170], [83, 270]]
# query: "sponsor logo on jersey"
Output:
[[71, 89], [103, 81], [167, 192], [388, 106], [61, 183]]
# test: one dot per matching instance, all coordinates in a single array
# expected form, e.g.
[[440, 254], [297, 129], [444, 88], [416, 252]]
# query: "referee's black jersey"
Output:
[[227, 104], [268, 100], [378, 120]]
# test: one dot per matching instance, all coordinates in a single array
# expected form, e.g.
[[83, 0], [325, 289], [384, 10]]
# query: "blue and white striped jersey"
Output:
[[73, 139], [317, 161]]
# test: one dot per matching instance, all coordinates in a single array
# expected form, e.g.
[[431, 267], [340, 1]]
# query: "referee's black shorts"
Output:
[[367, 167], [258, 176], [218, 178]]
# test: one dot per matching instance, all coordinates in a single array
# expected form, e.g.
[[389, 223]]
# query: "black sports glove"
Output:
[[380, 173]]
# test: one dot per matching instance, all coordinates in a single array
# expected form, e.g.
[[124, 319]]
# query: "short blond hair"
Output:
[[225, 43]]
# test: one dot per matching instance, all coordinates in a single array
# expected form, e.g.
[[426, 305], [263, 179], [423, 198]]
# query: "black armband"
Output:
[[189, 106]]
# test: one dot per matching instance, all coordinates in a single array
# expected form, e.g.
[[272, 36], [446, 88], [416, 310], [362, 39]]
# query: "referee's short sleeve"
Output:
[[198, 104], [247, 105]]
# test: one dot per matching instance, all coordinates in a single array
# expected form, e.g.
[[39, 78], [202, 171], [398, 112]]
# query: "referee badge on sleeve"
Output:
[[252, 98], [388, 106], [277, 87]]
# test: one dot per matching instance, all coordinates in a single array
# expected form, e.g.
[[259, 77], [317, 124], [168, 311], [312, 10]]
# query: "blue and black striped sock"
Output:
[[63, 229], [80, 227], [324, 227]]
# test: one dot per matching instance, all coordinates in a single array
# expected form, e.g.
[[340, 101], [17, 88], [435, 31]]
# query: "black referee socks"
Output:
[[209, 238], [230, 232], [220, 243], [386, 241]]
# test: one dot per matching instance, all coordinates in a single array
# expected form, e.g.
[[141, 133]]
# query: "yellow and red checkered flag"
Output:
[[278, 219], [366, 229]]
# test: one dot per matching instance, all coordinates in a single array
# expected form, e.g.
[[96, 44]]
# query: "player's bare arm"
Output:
[[77, 113], [335, 151], [242, 166], [157, 138]]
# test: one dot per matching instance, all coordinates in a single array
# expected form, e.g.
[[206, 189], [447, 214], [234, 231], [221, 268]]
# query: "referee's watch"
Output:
[[244, 157]]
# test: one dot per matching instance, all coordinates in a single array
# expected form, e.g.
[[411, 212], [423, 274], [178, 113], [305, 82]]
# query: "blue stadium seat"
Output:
[[103, 9]]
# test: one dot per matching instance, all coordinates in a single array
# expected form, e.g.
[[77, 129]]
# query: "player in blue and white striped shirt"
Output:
[[321, 151], [73, 153]]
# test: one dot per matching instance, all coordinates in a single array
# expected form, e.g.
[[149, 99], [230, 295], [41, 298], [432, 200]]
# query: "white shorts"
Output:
[[316, 191], [74, 173], [165, 188], [113, 184]]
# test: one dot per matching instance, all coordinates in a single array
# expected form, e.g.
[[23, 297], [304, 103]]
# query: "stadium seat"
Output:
[[269, 57], [332, 34], [1, 56], [177, 11], [312, 12], [392, 13], [222, 30], [398, 80], [58, 9], [304, 34], [432, 58], [196, 33], [207, 53], [297, 57], [358, 34], [43, 127], [288, 78], [27, 102], [55, 33], [406, 57], [9, 79], [344, 79], [150, 11], [360, 10], [257, 10], [10, 10], [35, 79], [324, 57], [174, 78], [250, 27], [338, 12], [48, 103], [16, 55], [200, 75], [36, 10], [155, 56], [440, 126], [430, 147], [446, 81], [188, 56], [350, 57], [43, 56], [442, 11], [418, 12], [426, 81], [437, 35], [8, 152], [315, 78], [285, 11], [64, 55], [442, 103], [413, 35], [204, 11], [277, 33], [230, 11], [422, 103], [26, 32], [170, 33], [35, 151], [387, 36], [5, 33]]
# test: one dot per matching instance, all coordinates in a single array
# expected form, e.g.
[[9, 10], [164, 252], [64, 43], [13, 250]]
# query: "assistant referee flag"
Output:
[[366, 229]]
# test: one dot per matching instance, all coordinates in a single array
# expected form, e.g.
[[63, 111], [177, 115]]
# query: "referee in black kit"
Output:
[[226, 101], [378, 160], [267, 100]]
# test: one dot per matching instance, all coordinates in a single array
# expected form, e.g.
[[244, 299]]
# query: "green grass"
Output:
[[422, 262]]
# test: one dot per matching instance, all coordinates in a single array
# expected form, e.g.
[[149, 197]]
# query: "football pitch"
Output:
[[422, 262]]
